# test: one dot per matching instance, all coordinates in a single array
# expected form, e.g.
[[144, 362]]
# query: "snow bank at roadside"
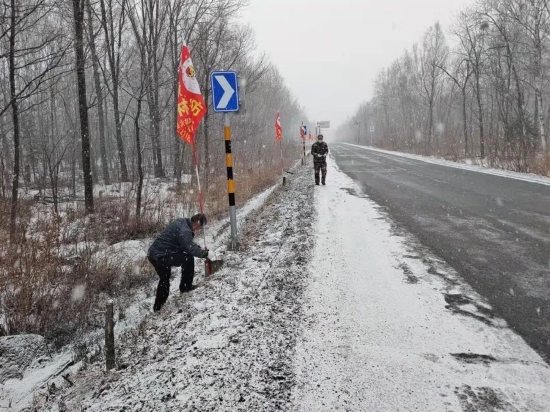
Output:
[[527, 177]]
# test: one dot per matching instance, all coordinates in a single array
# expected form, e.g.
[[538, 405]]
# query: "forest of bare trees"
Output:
[[88, 101], [477, 89]]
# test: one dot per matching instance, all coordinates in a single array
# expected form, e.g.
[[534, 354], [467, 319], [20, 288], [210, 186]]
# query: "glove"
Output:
[[206, 253]]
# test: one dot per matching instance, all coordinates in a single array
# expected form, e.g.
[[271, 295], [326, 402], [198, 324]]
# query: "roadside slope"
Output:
[[226, 346]]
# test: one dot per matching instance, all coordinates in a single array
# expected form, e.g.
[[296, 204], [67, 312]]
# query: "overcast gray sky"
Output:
[[329, 51]]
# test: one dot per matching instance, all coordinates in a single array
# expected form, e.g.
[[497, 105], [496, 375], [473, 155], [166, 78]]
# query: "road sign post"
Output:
[[230, 180], [358, 123], [325, 124], [371, 134], [225, 99]]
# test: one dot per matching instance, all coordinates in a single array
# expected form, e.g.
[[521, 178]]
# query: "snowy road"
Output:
[[494, 230], [389, 327]]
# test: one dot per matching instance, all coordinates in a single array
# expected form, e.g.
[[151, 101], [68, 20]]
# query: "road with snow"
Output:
[[494, 230]]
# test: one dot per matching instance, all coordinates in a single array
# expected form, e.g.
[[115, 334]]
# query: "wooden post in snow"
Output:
[[109, 337]]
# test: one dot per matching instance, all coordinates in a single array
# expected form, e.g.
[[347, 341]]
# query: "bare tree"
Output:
[[92, 35], [113, 27], [31, 61], [433, 57], [78, 13], [461, 76], [533, 17]]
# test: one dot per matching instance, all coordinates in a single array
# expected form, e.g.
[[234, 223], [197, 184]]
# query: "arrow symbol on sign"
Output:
[[228, 92]]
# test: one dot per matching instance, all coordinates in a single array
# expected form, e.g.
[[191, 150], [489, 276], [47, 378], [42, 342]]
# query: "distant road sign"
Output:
[[324, 124], [372, 129], [225, 91], [303, 130]]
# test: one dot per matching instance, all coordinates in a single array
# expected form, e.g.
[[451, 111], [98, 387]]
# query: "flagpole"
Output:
[[201, 203], [191, 109], [282, 162], [279, 138]]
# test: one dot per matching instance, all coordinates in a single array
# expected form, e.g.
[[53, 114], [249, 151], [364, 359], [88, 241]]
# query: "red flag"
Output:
[[278, 128], [191, 106]]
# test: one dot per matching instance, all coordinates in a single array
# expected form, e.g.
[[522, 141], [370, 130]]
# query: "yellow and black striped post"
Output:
[[230, 180]]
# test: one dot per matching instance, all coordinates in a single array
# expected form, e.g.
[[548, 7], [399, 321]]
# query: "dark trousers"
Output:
[[163, 266], [320, 167]]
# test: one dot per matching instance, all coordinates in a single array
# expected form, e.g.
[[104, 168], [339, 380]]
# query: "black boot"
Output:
[[163, 288], [188, 288]]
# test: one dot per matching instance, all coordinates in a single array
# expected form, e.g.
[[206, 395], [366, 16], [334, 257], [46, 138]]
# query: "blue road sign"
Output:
[[225, 91]]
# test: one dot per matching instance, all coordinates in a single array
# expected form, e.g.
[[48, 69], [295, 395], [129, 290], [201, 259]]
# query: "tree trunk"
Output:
[[99, 94], [153, 115], [53, 184], [465, 120], [78, 12], [113, 65], [152, 118], [539, 82], [15, 119], [93, 162], [156, 115], [118, 134], [139, 160], [73, 167], [540, 116], [159, 172], [177, 140], [480, 117]]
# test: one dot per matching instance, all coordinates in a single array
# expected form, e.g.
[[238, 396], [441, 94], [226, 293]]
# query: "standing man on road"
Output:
[[319, 150], [175, 247]]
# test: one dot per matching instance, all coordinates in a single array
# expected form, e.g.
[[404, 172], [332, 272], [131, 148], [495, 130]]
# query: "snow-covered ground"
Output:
[[389, 327], [229, 344], [327, 305], [528, 177], [39, 374]]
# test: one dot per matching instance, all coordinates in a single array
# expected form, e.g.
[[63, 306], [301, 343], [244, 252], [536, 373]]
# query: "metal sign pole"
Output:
[[225, 98], [230, 181]]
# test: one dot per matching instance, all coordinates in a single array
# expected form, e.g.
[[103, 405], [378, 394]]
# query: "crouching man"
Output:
[[175, 247]]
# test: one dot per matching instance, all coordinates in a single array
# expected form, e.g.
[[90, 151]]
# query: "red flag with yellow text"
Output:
[[278, 128], [191, 106]]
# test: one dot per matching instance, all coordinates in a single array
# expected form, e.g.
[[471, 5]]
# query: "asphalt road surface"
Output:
[[495, 231]]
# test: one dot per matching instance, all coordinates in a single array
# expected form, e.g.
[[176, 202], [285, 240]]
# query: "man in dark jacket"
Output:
[[319, 150], [175, 247]]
